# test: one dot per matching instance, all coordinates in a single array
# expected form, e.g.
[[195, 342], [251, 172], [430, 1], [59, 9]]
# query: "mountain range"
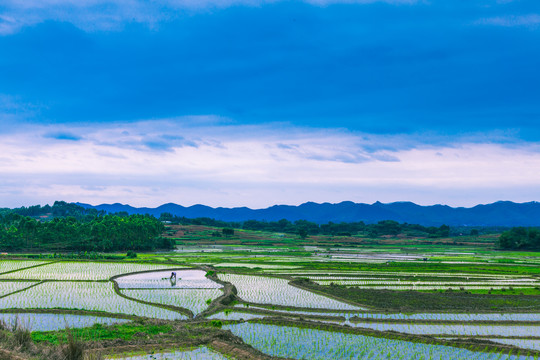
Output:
[[501, 213]]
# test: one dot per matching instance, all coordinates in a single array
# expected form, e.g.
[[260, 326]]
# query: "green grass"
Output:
[[415, 301], [100, 332], [513, 291]]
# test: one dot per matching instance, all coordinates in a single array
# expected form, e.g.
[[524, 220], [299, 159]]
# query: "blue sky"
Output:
[[232, 103]]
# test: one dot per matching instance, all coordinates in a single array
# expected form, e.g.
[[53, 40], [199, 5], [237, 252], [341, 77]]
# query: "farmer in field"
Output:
[[173, 279]]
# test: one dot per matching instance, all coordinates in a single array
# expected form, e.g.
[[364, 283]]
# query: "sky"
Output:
[[255, 103]]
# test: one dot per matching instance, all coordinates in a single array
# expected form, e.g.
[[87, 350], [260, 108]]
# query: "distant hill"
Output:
[[502, 213]]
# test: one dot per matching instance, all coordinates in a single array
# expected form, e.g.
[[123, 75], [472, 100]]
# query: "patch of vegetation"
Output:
[[151, 335], [520, 238], [99, 332], [413, 301], [508, 291], [101, 233]]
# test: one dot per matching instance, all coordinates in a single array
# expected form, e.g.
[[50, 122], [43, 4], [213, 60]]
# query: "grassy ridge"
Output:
[[406, 301]]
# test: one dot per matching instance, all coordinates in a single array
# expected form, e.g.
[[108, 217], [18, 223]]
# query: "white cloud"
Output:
[[249, 165], [97, 15], [394, 2], [530, 20]]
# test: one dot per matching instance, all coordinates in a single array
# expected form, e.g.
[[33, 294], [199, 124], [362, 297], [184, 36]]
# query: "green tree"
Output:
[[227, 232], [303, 233], [513, 238]]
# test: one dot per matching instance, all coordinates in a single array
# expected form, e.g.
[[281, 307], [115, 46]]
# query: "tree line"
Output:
[[75, 229], [305, 228], [70, 227], [59, 209], [520, 238]]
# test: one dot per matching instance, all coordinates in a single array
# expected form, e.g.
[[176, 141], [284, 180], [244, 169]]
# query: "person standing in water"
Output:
[[173, 278]]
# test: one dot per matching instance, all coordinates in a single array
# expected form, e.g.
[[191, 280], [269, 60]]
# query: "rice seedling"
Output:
[[12, 265], [359, 315], [300, 312], [266, 290], [82, 295], [8, 287], [522, 343], [302, 343], [51, 322], [202, 353], [185, 279], [450, 316], [191, 299], [71, 270], [234, 315], [453, 329]]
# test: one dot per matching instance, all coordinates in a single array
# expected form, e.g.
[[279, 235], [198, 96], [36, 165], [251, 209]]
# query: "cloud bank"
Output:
[[254, 166], [99, 15]]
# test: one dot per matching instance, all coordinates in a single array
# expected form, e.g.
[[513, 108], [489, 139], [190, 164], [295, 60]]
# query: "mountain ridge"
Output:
[[500, 213]]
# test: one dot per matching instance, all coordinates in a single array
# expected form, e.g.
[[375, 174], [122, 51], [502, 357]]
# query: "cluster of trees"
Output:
[[92, 232], [305, 228], [382, 228], [520, 238], [206, 221], [59, 209]]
